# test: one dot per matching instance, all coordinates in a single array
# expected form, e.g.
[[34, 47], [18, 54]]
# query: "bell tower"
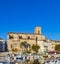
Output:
[[37, 30]]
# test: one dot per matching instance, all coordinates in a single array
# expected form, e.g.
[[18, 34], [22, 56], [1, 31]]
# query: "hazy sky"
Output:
[[24, 15]]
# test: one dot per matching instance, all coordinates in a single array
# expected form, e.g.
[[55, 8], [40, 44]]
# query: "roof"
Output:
[[21, 33]]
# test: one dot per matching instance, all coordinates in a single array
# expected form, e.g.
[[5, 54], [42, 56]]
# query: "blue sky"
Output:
[[24, 15]]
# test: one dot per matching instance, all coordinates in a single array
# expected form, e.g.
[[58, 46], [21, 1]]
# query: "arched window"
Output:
[[38, 32], [10, 36], [28, 37], [20, 37], [11, 45]]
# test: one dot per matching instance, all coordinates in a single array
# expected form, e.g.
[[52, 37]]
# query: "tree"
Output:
[[35, 48], [25, 45], [12, 49], [36, 61], [22, 45], [57, 47], [15, 50]]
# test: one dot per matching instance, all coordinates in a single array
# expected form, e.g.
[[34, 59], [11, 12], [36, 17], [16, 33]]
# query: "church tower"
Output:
[[37, 30]]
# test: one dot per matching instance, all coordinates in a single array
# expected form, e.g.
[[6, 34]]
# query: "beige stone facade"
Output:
[[14, 39]]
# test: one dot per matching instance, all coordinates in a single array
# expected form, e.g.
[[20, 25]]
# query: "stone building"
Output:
[[46, 46], [15, 39]]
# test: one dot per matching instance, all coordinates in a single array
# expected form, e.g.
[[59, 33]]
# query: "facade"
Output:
[[15, 39], [57, 42], [46, 46]]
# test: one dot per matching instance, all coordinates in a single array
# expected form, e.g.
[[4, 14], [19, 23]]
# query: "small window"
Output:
[[38, 32], [10, 36], [44, 40], [20, 37], [11, 45], [28, 37], [15, 54]]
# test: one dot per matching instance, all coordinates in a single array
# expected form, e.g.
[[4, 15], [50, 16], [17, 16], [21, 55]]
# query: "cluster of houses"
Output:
[[14, 40]]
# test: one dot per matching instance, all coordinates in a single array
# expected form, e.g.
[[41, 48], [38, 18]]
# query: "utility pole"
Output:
[[36, 47], [36, 40]]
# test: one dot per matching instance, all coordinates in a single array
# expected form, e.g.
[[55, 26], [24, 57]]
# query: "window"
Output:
[[11, 45], [20, 37], [28, 37], [15, 54], [44, 40], [10, 36], [38, 32], [46, 46]]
